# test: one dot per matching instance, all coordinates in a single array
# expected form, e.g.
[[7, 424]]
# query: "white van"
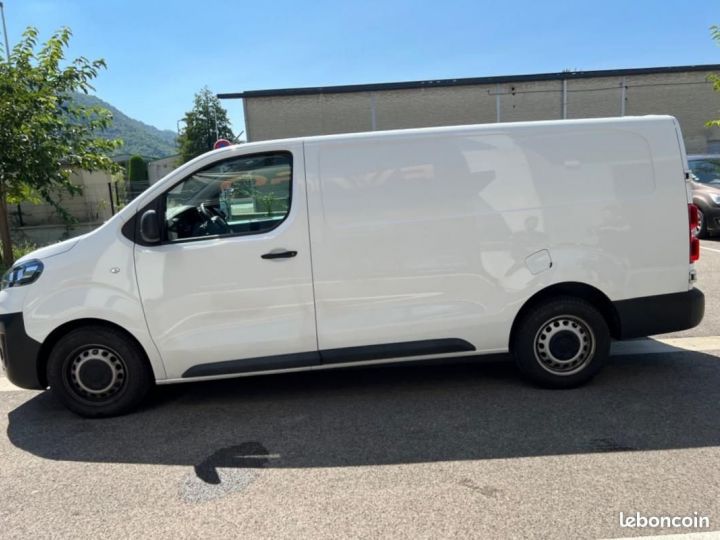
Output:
[[545, 239]]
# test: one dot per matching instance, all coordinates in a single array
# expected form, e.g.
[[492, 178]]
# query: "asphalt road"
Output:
[[451, 450]]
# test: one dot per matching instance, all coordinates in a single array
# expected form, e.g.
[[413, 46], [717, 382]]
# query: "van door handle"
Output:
[[279, 254]]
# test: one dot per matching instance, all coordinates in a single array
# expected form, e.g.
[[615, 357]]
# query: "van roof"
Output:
[[497, 127]]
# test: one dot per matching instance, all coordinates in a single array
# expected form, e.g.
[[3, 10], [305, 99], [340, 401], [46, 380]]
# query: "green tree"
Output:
[[714, 78], [44, 136], [137, 170], [204, 124]]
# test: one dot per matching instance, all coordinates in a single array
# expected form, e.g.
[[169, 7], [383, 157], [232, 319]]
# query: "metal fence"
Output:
[[121, 193]]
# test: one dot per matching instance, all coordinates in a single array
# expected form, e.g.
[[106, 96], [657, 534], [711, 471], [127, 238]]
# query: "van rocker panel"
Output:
[[332, 356]]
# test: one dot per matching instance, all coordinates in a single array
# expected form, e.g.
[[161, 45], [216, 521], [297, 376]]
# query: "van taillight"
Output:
[[694, 242]]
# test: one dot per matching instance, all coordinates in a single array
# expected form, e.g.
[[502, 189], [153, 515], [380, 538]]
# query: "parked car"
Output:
[[545, 239], [706, 192]]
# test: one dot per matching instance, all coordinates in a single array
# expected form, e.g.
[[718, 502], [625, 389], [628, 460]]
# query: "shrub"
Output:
[[20, 249], [137, 170]]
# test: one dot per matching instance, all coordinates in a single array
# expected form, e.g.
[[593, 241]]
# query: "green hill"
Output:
[[139, 138]]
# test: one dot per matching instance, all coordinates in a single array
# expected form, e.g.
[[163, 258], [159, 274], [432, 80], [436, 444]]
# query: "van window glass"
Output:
[[707, 171], [244, 195]]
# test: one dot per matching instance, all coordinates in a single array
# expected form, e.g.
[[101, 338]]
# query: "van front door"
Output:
[[228, 289]]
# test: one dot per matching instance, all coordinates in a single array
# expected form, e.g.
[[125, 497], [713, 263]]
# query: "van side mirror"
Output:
[[150, 227]]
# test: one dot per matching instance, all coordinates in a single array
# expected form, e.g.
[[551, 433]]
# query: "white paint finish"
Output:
[[324, 367], [12, 300], [416, 234], [538, 262], [618, 348], [217, 299], [51, 250], [78, 284], [424, 234]]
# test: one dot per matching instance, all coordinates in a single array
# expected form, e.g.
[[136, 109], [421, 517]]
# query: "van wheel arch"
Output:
[[577, 290], [64, 329]]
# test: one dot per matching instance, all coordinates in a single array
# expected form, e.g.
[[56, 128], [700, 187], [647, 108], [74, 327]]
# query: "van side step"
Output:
[[343, 355]]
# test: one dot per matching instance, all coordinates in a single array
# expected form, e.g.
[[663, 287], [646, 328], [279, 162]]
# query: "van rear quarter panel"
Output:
[[425, 234]]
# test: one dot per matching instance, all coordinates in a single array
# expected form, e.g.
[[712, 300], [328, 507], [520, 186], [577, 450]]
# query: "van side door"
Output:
[[398, 229], [228, 289]]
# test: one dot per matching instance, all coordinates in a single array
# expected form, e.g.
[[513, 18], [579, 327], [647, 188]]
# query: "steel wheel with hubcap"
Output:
[[561, 343], [98, 371], [564, 345]]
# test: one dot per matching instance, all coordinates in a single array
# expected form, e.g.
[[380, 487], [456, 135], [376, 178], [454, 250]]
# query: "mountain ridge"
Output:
[[138, 137]]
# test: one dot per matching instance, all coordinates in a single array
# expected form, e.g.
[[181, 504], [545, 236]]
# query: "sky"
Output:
[[160, 53]]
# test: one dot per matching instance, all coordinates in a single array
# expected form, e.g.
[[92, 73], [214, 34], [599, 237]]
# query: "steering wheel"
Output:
[[214, 217]]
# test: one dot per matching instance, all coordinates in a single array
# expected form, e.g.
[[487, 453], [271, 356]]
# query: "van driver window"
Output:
[[244, 195]]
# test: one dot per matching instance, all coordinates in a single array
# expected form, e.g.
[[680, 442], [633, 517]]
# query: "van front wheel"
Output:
[[562, 343], [97, 371]]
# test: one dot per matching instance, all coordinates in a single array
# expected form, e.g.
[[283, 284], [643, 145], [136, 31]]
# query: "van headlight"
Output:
[[22, 274], [716, 198]]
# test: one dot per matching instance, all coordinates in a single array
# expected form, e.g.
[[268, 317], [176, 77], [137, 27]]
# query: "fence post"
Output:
[[112, 205]]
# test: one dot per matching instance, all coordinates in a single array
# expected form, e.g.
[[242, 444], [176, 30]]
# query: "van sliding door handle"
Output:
[[279, 254]]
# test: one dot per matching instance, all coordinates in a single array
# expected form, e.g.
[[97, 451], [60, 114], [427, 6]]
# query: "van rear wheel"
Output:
[[96, 371], [562, 343]]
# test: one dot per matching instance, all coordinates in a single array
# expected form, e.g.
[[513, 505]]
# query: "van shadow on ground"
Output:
[[390, 415]]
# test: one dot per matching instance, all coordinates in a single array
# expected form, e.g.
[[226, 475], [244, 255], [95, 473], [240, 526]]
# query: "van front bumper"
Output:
[[19, 352], [650, 315]]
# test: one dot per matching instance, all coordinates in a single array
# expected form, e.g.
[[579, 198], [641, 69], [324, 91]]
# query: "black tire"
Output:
[[97, 371], [561, 343]]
